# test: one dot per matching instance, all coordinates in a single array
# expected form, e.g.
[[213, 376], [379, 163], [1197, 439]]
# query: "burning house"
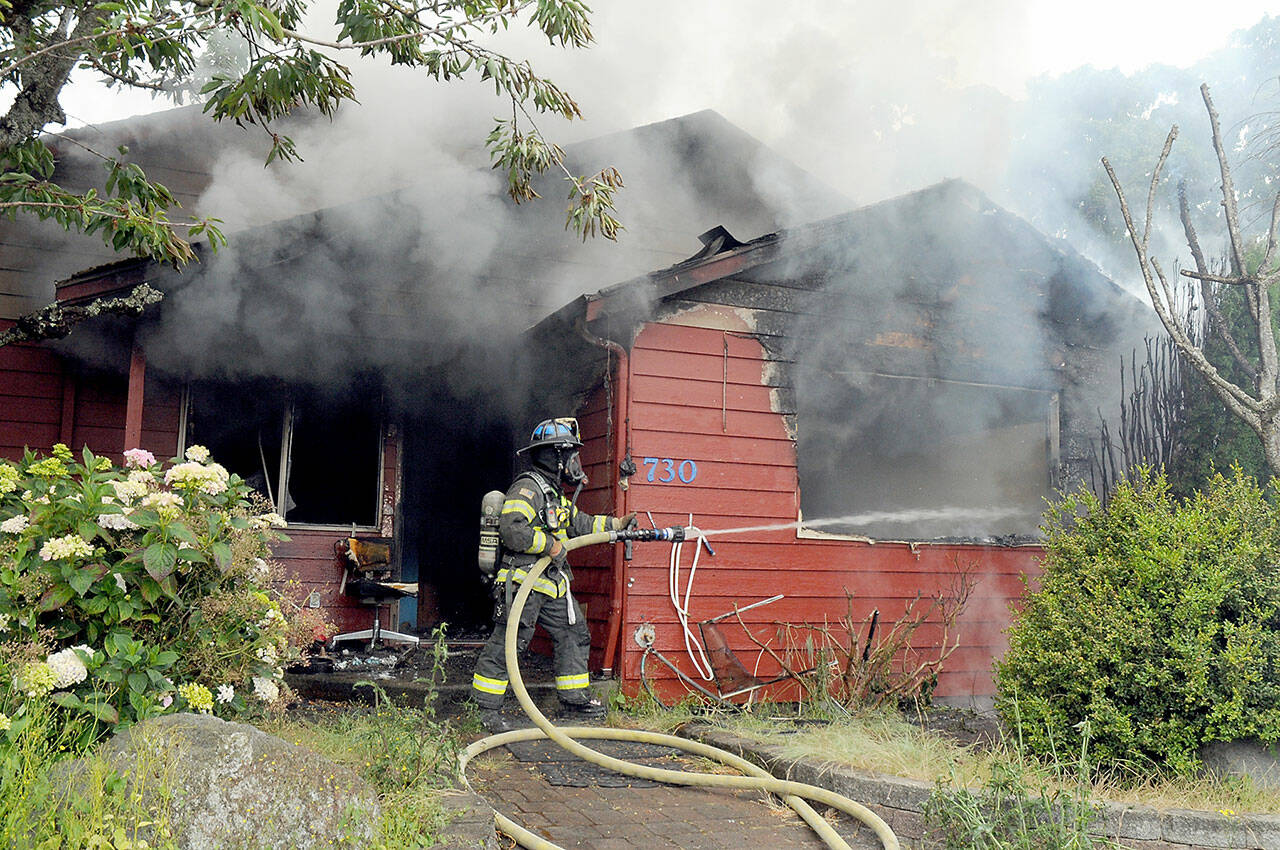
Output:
[[880, 398]]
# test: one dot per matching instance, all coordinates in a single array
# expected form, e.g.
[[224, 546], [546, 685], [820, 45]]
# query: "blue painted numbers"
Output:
[[665, 470]]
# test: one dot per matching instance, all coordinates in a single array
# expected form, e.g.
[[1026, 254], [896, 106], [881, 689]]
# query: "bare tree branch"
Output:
[[1206, 295], [1241, 403], [1259, 410]]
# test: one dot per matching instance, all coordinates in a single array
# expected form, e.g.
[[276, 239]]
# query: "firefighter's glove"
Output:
[[622, 523]]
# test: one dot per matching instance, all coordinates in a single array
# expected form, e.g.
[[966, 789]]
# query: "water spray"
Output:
[[904, 516]]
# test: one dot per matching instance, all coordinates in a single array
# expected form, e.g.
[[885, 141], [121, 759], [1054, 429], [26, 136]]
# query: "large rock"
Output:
[[235, 786]]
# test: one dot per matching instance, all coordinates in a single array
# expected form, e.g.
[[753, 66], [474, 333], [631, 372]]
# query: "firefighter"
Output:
[[536, 519]]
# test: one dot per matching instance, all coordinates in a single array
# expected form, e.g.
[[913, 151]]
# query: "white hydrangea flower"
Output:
[[267, 520], [129, 491], [211, 479], [225, 694], [265, 689], [141, 476], [268, 654], [167, 505], [68, 547], [15, 524], [259, 571], [219, 479], [199, 454], [67, 667], [117, 522], [273, 617]]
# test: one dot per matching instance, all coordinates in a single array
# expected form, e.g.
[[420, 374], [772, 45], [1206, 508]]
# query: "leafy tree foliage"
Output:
[[158, 44], [1157, 621]]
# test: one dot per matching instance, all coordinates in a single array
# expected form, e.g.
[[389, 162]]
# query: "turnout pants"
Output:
[[571, 644]]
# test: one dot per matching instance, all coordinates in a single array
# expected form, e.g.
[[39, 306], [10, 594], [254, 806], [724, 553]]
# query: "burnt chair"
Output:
[[367, 573]]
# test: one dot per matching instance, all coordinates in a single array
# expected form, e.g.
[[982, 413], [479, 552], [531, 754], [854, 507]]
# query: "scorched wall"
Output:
[[712, 447]]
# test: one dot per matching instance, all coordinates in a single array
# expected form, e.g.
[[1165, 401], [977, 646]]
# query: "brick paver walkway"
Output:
[[650, 816]]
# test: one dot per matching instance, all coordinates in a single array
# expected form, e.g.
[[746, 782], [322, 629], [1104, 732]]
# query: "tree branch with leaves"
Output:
[[156, 44], [1257, 405]]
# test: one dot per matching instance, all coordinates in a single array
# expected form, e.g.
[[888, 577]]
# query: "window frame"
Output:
[[1053, 450], [286, 465]]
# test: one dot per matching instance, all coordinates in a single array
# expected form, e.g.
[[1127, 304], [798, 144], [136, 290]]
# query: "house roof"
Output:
[[680, 173], [940, 282], [446, 265]]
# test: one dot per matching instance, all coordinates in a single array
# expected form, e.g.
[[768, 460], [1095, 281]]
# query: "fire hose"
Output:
[[795, 794]]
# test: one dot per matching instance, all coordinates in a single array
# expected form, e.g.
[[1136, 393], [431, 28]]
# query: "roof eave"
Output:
[[685, 276]]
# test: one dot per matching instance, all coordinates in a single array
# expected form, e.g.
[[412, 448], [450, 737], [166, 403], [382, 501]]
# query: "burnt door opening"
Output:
[[452, 457]]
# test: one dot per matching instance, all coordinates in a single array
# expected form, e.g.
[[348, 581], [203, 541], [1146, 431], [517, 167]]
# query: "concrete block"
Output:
[[1262, 830], [907, 794], [1117, 820], [1203, 829]]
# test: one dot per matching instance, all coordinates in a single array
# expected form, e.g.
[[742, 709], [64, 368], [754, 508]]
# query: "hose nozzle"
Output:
[[675, 534]]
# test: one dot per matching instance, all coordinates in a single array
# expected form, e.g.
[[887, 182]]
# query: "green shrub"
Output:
[[129, 592], [1157, 621]]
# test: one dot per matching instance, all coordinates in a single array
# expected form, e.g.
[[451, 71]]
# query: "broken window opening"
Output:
[[909, 458], [326, 449]]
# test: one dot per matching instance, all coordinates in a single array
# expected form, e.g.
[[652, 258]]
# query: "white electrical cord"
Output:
[[692, 644]]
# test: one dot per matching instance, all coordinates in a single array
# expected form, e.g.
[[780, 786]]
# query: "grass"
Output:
[[886, 742], [43, 807]]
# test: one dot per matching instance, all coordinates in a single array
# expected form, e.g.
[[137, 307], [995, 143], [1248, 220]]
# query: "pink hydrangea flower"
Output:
[[139, 458]]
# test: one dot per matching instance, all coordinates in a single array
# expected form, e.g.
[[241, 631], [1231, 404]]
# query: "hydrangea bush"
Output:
[[135, 591]]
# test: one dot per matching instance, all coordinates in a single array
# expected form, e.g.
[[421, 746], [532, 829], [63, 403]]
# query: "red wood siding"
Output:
[[99, 412], [43, 402], [310, 566], [31, 386], [701, 394]]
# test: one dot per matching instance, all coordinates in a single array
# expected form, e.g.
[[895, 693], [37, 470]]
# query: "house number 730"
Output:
[[665, 470]]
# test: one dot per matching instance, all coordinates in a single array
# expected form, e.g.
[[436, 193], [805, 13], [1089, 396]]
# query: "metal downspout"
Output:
[[611, 660]]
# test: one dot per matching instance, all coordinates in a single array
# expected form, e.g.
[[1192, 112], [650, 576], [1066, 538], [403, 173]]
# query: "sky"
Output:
[[1003, 45]]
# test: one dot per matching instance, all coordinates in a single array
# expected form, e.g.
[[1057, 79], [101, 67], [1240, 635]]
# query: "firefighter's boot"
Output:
[[591, 709], [495, 722]]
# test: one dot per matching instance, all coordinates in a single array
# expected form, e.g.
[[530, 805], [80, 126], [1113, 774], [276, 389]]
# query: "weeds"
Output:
[[886, 742], [45, 803], [404, 752], [1018, 809]]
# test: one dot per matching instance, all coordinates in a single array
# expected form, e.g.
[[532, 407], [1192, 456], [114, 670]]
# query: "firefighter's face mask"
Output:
[[571, 469]]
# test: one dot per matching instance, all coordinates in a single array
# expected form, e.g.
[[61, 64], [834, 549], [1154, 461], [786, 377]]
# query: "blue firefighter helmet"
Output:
[[559, 433]]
